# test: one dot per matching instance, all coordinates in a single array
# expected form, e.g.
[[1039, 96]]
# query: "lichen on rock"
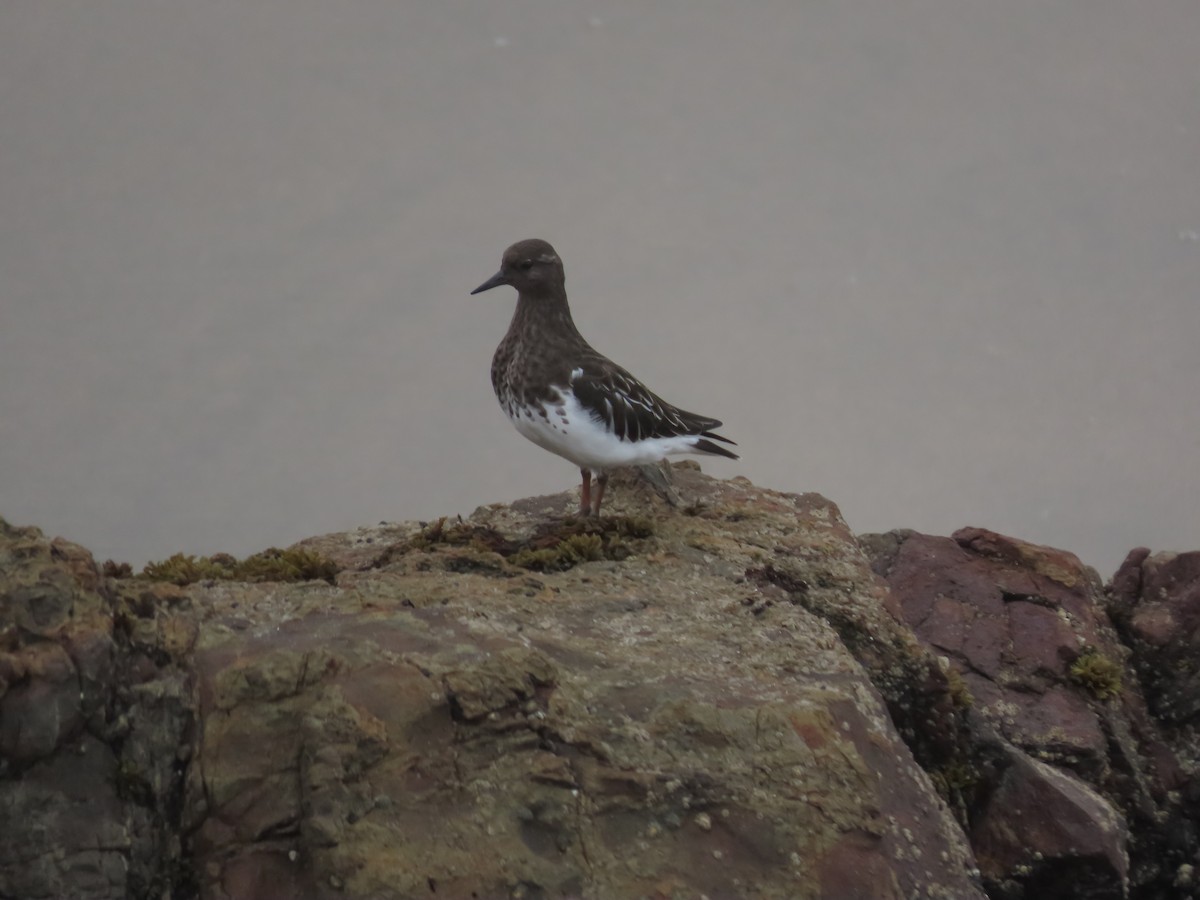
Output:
[[727, 694]]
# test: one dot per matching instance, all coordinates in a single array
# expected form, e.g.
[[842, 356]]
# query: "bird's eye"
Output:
[[525, 265]]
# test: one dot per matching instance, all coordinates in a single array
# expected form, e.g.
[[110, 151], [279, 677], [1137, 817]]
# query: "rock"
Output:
[[1154, 600], [444, 720], [712, 691], [90, 764], [1156, 603], [987, 603], [65, 830], [1044, 833], [41, 708], [1026, 630]]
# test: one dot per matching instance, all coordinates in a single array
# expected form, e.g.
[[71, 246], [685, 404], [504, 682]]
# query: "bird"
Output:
[[567, 398]]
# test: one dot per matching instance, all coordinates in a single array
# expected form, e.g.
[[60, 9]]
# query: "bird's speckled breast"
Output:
[[529, 367]]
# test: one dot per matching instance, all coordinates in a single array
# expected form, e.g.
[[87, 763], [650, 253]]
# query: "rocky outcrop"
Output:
[[448, 721], [1070, 787], [95, 727], [1155, 603], [716, 699]]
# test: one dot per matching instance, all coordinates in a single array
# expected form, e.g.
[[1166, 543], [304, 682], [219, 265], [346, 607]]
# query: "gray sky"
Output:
[[937, 260]]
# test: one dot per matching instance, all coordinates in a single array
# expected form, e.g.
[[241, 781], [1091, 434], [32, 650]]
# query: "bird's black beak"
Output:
[[495, 281]]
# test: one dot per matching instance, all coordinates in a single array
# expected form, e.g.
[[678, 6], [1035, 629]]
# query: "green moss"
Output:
[[1098, 674], [294, 564], [957, 782], [574, 541], [184, 568], [581, 548], [545, 560], [954, 779], [287, 565], [457, 534], [629, 526], [570, 551], [960, 694]]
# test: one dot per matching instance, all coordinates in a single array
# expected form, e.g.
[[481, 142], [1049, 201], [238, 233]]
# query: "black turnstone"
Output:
[[567, 398]]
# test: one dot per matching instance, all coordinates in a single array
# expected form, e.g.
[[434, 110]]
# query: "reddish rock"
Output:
[[1166, 611], [1043, 643], [1126, 584], [1155, 601], [1047, 834], [1013, 619], [1012, 632], [1041, 566], [851, 870]]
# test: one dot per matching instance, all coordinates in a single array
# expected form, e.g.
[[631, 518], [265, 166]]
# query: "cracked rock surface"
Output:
[[708, 693], [444, 723]]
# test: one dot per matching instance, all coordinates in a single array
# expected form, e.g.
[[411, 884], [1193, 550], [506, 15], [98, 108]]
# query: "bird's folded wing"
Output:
[[629, 409]]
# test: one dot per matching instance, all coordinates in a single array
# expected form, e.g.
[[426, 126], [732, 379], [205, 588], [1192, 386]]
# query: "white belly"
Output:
[[569, 430]]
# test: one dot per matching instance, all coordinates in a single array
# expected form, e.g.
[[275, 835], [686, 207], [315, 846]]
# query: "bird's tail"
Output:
[[704, 445]]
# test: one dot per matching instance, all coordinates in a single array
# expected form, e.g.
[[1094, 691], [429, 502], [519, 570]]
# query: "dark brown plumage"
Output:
[[544, 370]]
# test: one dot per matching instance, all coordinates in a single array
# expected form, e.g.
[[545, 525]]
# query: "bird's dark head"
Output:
[[532, 267]]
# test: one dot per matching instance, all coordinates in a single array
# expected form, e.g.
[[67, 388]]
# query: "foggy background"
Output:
[[938, 260]]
